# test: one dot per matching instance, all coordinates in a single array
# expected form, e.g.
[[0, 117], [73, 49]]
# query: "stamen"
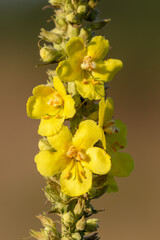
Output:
[[46, 117], [55, 100], [88, 64], [71, 153], [80, 156], [68, 174], [95, 82]]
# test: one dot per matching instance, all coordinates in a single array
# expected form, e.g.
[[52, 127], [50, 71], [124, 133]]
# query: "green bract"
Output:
[[52, 106], [86, 67]]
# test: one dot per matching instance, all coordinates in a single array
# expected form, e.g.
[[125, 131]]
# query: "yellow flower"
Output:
[[113, 138], [76, 157], [86, 66], [114, 132], [52, 106]]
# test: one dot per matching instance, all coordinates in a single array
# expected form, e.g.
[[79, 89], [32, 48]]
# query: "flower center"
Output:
[[55, 100], [88, 64], [75, 154], [75, 166]]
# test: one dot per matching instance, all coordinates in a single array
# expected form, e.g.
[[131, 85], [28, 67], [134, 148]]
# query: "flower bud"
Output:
[[72, 31], [91, 225], [46, 222], [68, 7], [99, 24], [60, 22], [38, 235], [76, 236], [79, 207], [68, 218], [48, 54], [44, 145], [50, 36], [80, 225], [85, 33], [55, 2], [82, 9], [93, 3], [73, 18]]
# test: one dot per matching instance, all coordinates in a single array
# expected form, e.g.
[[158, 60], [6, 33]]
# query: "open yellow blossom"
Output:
[[114, 132], [75, 157], [52, 106], [86, 67]]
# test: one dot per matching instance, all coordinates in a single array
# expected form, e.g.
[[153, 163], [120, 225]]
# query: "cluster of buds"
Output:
[[81, 147], [72, 18]]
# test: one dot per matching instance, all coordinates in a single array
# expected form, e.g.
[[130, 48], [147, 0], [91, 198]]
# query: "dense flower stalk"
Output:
[[80, 150]]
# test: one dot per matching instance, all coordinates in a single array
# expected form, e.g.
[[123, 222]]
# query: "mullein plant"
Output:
[[81, 149]]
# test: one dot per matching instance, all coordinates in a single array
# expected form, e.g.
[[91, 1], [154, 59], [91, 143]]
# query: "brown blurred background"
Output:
[[133, 212]]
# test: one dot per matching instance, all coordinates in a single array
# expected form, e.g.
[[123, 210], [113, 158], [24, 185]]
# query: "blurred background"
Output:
[[134, 33]]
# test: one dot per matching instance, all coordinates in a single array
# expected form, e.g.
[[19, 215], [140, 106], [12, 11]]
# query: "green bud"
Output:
[[82, 9], [64, 238], [46, 222], [60, 21], [76, 236], [79, 207], [48, 54], [68, 219], [93, 3], [91, 225], [50, 36], [44, 145], [72, 31], [55, 2], [73, 18], [86, 34], [99, 24], [72, 88], [80, 225], [38, 235], [68, 7]]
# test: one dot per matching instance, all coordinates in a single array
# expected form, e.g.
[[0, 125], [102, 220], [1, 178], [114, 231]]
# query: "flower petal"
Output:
[[37, 107], [98, 48], [89, 90], [50, 163], [42, 91], [109, 109], [76, 184], [62, 140], [99, 161], [74, 45], [50, 127], [87, 135], [122, 164], [102, 107], [69, 109], [106, 70], [103, 139], [69, 70], [58, 85]]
